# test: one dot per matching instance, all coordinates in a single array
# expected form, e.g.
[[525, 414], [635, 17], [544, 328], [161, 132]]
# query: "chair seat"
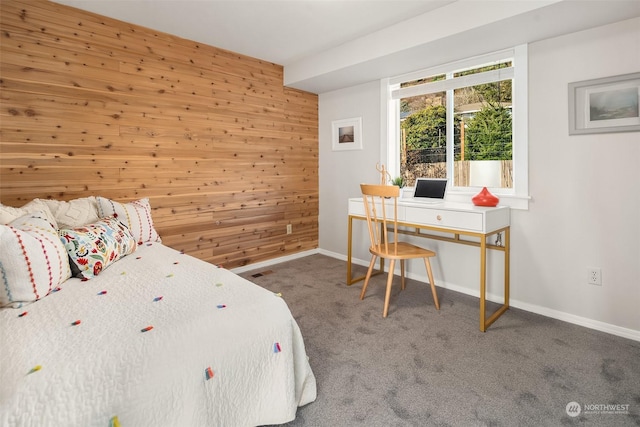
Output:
[[405, 251]]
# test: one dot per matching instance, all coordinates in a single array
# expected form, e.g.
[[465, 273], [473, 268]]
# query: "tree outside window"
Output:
[[482, 130]]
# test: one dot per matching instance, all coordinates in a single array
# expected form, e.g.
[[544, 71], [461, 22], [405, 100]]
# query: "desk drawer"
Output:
[[356, 207], [471, 221]]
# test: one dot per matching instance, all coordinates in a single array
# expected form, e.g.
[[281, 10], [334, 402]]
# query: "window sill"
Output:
[[512, 200], [464, 196]]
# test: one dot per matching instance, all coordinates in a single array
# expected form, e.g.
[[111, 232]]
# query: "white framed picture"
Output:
[[346, 134], [610, 104]]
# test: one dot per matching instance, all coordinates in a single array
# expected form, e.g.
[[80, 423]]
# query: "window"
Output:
[[466, 122]]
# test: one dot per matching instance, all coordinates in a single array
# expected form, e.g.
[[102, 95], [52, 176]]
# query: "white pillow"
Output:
[[9, 213], [74, 213], [135, 215], [33, 260]]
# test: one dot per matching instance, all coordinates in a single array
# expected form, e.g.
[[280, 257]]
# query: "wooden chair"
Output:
[[378, 201]]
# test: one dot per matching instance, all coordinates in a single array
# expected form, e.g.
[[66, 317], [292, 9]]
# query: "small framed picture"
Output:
[[605, 105], [346, 134]]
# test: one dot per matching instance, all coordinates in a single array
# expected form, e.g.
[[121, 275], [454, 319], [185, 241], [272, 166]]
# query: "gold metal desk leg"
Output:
[[350, 228], [484, 321], [483, 281], [507, 263]]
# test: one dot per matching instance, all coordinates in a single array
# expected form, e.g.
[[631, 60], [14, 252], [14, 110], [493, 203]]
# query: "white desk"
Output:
[[454, 220]]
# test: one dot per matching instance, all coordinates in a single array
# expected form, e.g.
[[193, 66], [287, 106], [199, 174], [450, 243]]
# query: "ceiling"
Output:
[[278, 31], [328, 44]]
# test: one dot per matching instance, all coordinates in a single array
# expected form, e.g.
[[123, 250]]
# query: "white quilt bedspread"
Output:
[[106, 369]]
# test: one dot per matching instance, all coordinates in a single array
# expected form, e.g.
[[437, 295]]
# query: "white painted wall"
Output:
[[342, 172], [585, 208]]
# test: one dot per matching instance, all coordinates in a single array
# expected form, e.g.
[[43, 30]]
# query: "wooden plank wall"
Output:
[[226, 154]]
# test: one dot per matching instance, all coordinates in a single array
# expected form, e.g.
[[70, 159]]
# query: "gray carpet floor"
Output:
[[423, 367]]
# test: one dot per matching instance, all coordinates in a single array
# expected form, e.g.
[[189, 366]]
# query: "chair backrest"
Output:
[[381, 208]]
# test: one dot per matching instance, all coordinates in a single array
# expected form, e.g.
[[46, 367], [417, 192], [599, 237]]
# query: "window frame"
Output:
[[516, 197]]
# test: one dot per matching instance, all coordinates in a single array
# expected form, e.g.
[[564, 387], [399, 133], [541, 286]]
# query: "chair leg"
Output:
[[368, 276], [402, 274], [387, 296], [432, 283]]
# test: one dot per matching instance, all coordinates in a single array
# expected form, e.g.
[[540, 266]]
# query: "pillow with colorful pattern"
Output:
[[93, 247]]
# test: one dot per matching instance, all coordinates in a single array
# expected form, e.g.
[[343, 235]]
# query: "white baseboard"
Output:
[[273, 261], [579, 320], [340, 256], [543, 311]]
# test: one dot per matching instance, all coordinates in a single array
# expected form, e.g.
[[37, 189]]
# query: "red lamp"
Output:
[[485, 198]]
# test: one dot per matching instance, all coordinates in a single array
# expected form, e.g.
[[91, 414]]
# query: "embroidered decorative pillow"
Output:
[[93, 247], [74, 213], [9, 213], [33, 260], [135, 215]]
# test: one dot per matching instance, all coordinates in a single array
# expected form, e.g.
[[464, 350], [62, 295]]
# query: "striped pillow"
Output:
[[135, 215], [33, 260]]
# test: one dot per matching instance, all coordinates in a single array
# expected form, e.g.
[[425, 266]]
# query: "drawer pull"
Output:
[[439, 217]]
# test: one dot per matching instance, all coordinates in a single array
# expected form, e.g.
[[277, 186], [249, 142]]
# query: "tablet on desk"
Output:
[[430, 190]]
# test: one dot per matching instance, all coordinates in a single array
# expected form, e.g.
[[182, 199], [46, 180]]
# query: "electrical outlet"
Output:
[[594, 276], [289, 229]]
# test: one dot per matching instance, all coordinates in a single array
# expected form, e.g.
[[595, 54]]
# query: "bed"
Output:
[[139, 335]]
